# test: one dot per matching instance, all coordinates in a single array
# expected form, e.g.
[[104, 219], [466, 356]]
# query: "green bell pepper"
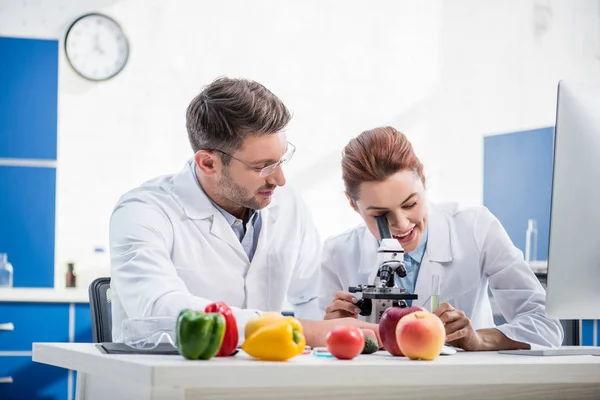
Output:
[[199, 334]]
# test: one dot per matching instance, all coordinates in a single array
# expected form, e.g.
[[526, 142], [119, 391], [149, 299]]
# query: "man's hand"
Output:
[[459, 332], [316, 331], [343, 306]]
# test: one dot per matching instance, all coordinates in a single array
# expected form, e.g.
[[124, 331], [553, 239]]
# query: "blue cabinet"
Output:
[[27, 215], [589, 329], [83, 324], [518, 183], [31, 380], [28, 151], [28, 98], [39, 322]]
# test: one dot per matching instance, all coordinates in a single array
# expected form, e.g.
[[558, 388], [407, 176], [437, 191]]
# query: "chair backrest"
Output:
[[99, 293]]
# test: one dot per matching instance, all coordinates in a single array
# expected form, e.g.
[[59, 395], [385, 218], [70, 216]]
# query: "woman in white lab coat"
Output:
[[466, 246]]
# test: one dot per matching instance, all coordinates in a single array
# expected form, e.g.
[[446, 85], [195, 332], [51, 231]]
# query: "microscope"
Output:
[[384, 293]]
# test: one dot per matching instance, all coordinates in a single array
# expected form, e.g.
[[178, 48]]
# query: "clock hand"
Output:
[[97, 44], [98, 49]]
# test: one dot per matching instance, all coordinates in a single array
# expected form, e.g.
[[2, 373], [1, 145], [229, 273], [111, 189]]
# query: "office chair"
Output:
[[99, 292]]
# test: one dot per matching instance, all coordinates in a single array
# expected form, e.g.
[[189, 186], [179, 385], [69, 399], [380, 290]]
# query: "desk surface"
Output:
[[483, 368]]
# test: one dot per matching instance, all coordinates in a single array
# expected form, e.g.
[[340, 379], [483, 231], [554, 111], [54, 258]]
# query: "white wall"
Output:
[[445, 72]]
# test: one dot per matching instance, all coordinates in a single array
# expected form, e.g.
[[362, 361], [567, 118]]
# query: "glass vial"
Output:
[[531, 240], [435, 292], [6, 271]]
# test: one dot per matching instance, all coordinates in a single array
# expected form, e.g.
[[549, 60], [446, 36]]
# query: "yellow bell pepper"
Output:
[[259, 321], [273, 338]]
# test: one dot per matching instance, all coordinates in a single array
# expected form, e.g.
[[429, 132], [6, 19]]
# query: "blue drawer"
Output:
[[32, 380], [33, 322]]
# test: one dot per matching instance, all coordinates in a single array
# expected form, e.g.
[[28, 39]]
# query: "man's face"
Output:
[[241, 182], [402, 199]]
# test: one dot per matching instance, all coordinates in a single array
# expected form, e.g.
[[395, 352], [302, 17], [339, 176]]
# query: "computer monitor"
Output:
[[573, 286], [573, 281]]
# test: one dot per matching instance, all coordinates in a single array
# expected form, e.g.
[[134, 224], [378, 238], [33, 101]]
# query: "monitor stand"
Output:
[[560, 351]]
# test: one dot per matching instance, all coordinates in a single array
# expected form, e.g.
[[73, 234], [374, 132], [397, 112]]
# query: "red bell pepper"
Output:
[[230, 340]]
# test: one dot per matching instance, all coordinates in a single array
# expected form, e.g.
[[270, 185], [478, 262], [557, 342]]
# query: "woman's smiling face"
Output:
[[402, 199]]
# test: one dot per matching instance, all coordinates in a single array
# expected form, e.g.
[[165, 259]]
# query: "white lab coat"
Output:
[[172, 249], [471, 252]]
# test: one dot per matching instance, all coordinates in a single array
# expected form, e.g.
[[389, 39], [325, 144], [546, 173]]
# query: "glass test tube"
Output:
[[435, 292]]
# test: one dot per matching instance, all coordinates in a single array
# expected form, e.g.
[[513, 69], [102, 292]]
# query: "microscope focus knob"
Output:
[[365, 306]]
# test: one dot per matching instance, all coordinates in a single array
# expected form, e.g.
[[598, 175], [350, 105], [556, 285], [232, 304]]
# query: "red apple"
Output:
[[421, 335], [387, 327]]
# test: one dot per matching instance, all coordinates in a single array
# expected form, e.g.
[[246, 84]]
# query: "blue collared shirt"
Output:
[[412, 263], [249, 237]]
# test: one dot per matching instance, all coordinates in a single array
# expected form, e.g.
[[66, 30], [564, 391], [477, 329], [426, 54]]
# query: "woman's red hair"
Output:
[[375, 155]]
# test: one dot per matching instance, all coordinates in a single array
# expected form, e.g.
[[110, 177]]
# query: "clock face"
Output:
[[96, 47]]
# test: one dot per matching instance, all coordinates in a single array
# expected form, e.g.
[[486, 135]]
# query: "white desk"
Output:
[[377, 376]]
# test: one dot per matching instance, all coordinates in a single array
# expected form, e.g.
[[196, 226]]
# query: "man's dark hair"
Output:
[[228, 110]]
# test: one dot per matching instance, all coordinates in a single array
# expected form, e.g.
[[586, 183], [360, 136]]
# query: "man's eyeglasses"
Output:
[[269, 169]]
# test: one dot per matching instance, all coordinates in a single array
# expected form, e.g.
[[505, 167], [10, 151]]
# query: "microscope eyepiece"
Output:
[[383, 227]]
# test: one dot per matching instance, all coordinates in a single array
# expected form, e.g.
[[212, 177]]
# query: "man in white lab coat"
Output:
[[224, 228]]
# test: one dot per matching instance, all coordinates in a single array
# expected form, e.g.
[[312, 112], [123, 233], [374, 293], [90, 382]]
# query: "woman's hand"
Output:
[[343, 306], [459, 331]]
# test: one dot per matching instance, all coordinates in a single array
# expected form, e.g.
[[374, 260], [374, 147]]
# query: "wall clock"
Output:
[[96, 47]]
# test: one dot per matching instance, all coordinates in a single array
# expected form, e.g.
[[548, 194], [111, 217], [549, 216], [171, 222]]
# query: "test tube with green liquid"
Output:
[[435, 292]]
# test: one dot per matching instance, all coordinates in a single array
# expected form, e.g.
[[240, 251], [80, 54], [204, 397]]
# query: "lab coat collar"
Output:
[[439, 246], [193, 200]]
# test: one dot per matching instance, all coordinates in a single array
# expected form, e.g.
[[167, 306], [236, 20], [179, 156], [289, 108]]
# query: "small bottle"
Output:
[[6, 271], [71, 278], [531, 240]]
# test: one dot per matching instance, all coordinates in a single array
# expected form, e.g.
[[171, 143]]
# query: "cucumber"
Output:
[[371, 346]]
